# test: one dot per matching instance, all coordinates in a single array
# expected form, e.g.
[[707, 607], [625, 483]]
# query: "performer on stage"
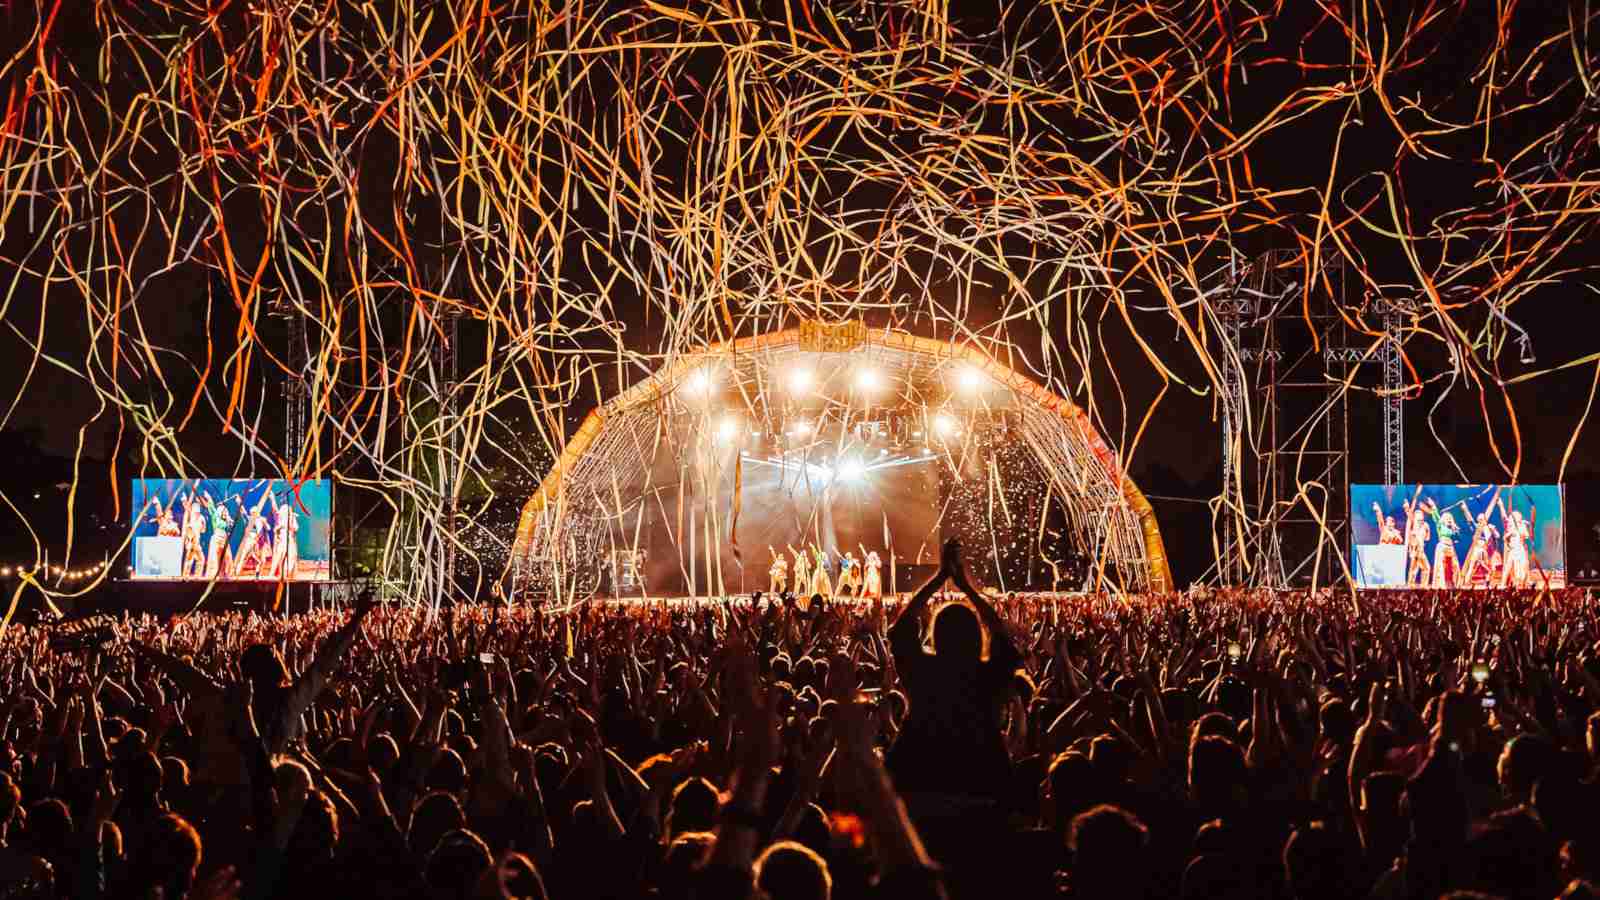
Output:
[[1416, 543], [779, 573], [821, 583], [194, 523], [873, 587], [285, 539], [1388, 532], [221, 525], [850, 574], [1519, 533], [1477, 552], [802, 570], [1445, 564]]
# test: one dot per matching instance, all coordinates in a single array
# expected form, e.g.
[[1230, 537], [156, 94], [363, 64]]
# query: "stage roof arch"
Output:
[[556, 537]]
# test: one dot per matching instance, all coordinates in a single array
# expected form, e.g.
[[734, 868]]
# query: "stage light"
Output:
[[852, 470], [927, 451], [800, 428], [800, 381], [699, 381], [868, 380], [945, 426], [883, 451], [824, 474], [727, 431], [970, 378]]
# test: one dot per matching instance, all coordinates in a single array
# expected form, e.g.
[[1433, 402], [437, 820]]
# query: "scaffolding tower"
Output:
[[1394, 431], [1286, 423]]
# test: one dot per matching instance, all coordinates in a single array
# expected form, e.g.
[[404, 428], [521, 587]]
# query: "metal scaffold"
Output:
[[1286, 469]]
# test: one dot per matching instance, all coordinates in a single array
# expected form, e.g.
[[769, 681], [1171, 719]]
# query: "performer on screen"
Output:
[[285, 543], [1519, 533], [1446, 566], [194, 524], [1496, 563], [779, 573], [802, 570], [1388, 532], [1416, 543], [1478, 551], [872, 589], [221, 524], [166, 523], [254, 550], [821, 582]]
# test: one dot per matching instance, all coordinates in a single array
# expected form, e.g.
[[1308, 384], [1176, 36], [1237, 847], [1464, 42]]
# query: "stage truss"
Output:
[[802, 390]]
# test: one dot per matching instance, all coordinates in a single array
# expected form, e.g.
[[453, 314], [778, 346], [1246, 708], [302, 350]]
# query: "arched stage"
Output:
[[795, 432]]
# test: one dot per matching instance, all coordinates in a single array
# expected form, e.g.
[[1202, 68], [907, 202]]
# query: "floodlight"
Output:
[[800, 380], [728, 430], [868, 380], [970, 378], [945, 425], [851, 470], [800, 428], [699, 381]]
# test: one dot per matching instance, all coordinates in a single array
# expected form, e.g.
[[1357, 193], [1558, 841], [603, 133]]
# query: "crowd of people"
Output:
[[1398, 745]]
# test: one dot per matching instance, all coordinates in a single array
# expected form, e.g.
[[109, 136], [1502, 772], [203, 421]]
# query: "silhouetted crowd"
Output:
[[1209, 744]]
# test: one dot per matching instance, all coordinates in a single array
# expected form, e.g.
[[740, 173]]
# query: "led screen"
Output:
[[1457, 536], [238, 529]]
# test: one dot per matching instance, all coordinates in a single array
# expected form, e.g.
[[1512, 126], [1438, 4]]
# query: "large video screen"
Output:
[[232, 529], [1480, 536]]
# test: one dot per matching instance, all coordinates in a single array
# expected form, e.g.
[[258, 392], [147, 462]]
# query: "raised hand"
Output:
[[950, 558]]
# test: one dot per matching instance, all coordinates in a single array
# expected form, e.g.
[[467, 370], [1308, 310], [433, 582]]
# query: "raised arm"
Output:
[[905, 635], [188, 678], [1001, 647], [311, 681]]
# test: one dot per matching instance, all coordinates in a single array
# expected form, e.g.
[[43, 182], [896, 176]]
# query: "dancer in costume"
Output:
[[873, 586], [779, 573], [1478, 550], [850, 574], [257, 544], [1445, 563], [221, 524], [1497, 562], [285, 539], [821, 583], [1515, 570], [1388, 532], [1416, 543], [166, 523], [802, 570], [194, 524]]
